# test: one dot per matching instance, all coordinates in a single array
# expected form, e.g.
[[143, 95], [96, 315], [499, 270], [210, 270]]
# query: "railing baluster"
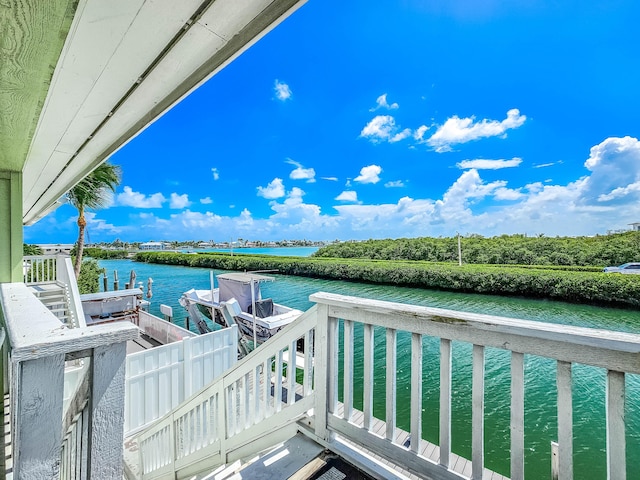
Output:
[[291, 374], [616, 444], [368, 376], [278, 386], [332, 340], [565, 421], [445, 402], [256, 395], [517, 416], [416, 392], [308, 362], [348, 370], [391, 385], [266, 379], [477, 414]]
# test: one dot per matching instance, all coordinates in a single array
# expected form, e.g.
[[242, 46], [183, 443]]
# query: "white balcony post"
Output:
[[38, 406], [321, 372], [106, 412]]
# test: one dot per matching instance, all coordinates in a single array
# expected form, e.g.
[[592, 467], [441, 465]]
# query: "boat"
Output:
[[238, 299]]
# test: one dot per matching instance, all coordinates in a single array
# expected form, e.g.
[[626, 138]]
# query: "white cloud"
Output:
[[206, 200], [383, 128], [97, 224], [129, 198], [283, 92], [482, 164], [503, 193], [458, 130], [394, 184], [615, 169], [347, 196], [381, 102], [275, 189], [419, 133], [369, 174], [216, 174], [301, 173], [331, 179], [179, 201], [544, 165], [400, 135], [605, 196]]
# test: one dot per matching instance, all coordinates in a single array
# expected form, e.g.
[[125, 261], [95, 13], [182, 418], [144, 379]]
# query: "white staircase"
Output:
[[56, 298]]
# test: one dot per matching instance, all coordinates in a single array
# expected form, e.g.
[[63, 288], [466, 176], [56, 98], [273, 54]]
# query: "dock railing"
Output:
[[87, 442], [223, 420]]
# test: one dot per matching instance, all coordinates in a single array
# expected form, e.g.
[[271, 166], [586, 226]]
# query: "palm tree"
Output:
[[91, 193]]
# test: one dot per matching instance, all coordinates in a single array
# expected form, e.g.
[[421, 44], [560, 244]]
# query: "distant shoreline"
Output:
[[570, 284]]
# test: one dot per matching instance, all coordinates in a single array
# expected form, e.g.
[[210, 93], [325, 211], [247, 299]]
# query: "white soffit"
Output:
[[125, 63]]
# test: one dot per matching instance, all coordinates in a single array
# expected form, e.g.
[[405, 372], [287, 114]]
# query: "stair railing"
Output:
[[240, 412]]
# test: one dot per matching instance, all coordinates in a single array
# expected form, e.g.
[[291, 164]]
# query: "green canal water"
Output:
[[540, 387]]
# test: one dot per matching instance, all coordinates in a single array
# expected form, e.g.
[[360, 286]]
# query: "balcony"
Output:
[[66, 383]]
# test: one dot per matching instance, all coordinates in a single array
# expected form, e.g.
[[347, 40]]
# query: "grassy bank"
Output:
[[568, 284]]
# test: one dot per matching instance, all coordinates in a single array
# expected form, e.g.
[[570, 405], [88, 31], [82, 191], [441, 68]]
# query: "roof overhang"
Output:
[[124, 63]]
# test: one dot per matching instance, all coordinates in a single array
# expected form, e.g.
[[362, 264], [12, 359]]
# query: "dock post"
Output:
[[105, 285], [116, 284]]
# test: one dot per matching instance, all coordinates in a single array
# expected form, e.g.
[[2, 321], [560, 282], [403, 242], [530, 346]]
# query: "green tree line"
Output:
[[568, 284], [602, 250]]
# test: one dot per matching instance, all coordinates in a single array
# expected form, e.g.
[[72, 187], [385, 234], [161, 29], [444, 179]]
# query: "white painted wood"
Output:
[[225, 404], [416, 392], [477, 414], [517, 416], [291, 374], [308, 362], [106, 411], [332, 365], [391, 376], [616, 442], [65, 270], [445, 402], [159, 379], [278, 383], [37, 412], [603, 348], [348, 370], [555, 468], [368, 376], [565, 421]]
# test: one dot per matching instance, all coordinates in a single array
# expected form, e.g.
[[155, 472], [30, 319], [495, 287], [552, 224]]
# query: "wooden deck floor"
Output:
[[428, 450]]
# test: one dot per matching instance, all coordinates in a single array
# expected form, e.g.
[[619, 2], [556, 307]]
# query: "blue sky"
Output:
[[362, 119]]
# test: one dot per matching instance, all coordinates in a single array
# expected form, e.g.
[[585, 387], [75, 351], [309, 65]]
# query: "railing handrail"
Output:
[[246, 426], [612, 350], [65, 268], [244, 366]]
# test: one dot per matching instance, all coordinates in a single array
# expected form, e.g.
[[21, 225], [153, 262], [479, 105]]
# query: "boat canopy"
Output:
[[238, 285]]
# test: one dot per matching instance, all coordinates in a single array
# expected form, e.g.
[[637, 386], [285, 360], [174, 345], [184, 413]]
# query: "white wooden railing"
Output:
[[39, 268], [618, 353], [47, 269], [46, 441], [222, 420], [253, 403], [160, 379], [161, 330]]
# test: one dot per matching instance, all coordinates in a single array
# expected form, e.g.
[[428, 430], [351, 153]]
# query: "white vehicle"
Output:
[[632, 267]]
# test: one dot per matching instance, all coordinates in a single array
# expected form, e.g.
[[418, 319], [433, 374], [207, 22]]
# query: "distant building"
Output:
[[635, 226], [153, 246], [55, 248]]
